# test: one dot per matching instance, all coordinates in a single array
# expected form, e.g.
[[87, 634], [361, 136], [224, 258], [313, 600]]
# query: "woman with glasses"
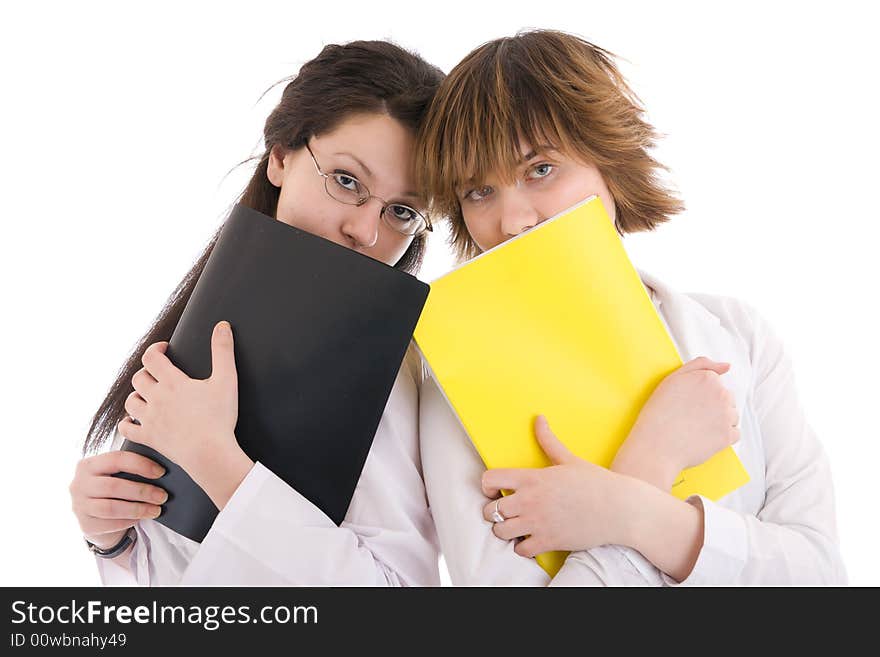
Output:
[[521, 129], [337, 163]]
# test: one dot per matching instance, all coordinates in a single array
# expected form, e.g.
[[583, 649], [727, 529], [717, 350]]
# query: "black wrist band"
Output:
[[128, 539]]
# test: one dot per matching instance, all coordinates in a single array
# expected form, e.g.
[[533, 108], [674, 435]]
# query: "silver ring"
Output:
[[497, 516]]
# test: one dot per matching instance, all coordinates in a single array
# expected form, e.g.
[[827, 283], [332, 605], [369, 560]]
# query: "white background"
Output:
[[120, 123]]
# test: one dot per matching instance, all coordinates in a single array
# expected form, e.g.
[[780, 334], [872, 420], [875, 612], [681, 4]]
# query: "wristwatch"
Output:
[[108, 553]]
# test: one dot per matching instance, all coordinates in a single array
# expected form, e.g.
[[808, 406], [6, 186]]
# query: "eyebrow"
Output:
[[353, 157], [370, 173], [540, 150]]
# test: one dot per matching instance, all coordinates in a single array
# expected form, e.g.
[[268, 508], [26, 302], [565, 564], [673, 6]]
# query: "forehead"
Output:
[[369, 130], [379, 141]]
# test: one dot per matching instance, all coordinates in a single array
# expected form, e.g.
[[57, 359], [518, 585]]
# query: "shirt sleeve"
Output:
[[793, 538], [269, 534], [114, 574], [474, 555]]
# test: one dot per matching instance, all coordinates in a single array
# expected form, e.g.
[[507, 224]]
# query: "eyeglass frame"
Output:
[[428, 227]]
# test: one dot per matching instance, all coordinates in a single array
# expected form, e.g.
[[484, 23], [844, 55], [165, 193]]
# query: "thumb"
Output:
[[703, 363], [552, 446], [222, 352]]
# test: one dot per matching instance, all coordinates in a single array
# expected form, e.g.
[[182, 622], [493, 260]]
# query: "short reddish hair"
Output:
[[544, 87]]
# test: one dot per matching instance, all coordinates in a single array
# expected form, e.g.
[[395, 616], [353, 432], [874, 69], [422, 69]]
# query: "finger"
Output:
[[110, 509], [144, 383], [222, 352], [552, 446], [728, 397], [503, 478], [159, 365], [510, 529], [121, 461], [508, 507], [734, 435], [734, 417], [123, 489], [704, 363], [132, 431], [529, 547], [135, 405]]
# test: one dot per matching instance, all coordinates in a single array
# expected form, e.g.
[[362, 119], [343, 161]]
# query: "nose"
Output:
[[361, 224], [518, 213]]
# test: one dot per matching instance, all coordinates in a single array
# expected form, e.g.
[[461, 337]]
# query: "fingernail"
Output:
[[223, 328], [157, 512], [160, 498], [158, 472]]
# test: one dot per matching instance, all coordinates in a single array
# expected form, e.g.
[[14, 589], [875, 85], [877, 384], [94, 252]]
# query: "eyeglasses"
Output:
[[347, 189]]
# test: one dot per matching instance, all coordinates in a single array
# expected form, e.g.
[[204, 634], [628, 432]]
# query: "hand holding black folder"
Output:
[[320, 334]]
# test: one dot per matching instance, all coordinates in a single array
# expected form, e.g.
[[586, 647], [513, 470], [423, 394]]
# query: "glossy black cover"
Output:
[[320, 333]]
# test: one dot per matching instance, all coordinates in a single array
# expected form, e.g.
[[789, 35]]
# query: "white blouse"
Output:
[[778, 529], [270, 535]]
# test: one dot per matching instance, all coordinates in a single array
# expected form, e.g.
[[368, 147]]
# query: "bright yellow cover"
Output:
[[555, 321]]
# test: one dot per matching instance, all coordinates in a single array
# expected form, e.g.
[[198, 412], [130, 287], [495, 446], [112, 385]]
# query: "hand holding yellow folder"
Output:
[[555, 321]]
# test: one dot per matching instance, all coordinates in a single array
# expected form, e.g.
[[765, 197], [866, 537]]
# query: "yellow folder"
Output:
[[555, 321]]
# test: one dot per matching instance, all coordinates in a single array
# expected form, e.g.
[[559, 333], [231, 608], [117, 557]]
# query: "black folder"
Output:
[[320, 333]]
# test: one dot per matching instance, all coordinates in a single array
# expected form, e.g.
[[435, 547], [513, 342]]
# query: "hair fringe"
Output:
[[540, 86]]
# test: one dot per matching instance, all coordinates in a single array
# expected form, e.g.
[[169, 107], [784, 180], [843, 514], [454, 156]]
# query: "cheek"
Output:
[[601, 189], [577, 188], [393, 252], [608, 204], [301, 207], [486, 232], [598, 187]]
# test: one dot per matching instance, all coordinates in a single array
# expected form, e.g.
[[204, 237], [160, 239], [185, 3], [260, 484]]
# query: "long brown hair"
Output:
[[343, 80], [544, 87]]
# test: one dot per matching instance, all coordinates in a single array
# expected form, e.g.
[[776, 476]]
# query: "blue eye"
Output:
[[541, 171], [401, 213], [347, 182], [403, 219]]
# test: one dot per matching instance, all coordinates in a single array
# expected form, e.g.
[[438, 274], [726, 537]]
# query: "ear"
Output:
[[275, 171]]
